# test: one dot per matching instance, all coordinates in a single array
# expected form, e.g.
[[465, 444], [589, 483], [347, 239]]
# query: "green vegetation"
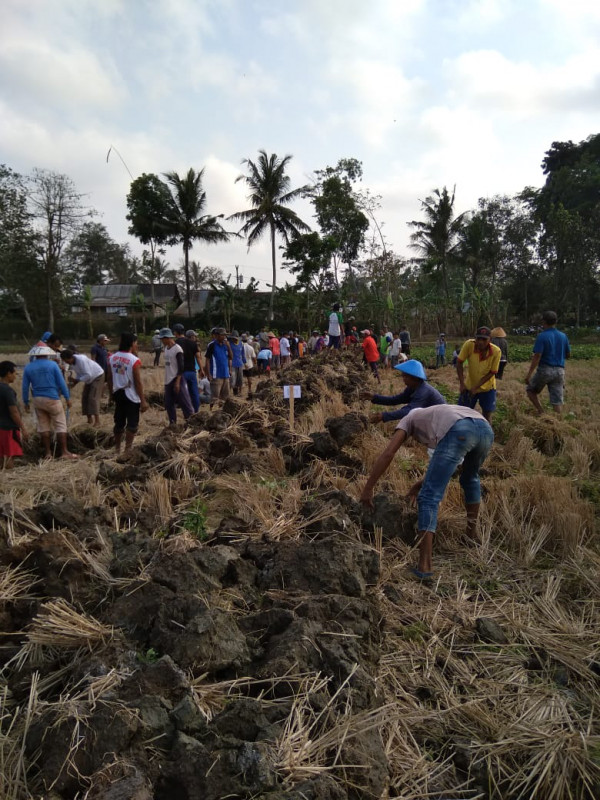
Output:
[[194, 520]]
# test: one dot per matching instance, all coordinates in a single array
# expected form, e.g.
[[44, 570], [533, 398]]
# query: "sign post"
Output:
[[291, 393]]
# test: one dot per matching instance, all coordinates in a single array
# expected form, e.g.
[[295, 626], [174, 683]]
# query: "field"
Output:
[[218, 616]]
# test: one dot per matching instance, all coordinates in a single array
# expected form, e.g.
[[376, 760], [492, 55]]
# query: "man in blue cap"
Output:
[[418, 394]]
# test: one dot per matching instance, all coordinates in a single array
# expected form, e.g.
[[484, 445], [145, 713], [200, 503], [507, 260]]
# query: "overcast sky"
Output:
[[426, 93]]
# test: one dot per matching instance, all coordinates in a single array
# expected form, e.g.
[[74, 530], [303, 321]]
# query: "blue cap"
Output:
[[412, 367], [46, 336]]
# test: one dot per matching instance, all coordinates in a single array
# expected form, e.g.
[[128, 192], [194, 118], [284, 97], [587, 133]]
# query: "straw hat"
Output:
[[41, 350], [498, 333]]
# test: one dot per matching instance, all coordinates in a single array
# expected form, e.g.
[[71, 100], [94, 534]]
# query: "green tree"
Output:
[[92, 256], [226, 295], [185, 221], [270, 195]]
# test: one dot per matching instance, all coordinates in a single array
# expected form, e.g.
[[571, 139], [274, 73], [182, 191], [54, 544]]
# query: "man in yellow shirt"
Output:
[[479, 383]]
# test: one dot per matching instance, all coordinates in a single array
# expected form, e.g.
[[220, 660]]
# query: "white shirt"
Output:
[[284, 346], [396, 347], [85, 369], [334, 324], [430, 425], [171, 369], [250, 355], [204, 386], [121, 366]]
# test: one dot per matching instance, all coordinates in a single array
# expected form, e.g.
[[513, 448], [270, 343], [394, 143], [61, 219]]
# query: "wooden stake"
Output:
[[291, 408]]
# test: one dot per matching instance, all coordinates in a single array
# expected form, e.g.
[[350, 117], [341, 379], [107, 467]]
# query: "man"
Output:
[[396, 354], [176, 391], [92, 375], [418, 394], [238, 362], [479, 384], [385, 343], [156, 348], [127, 391], [218, 365], [276, 350], [335, 327], [312, 342], [204, 389], [371, 352], [284, 350], [455, 433], [12, 427], [99, 352], [250, 356], [45, 380], [263, 338], [550, 350], [405, 339], [191, 360], [440, 351]]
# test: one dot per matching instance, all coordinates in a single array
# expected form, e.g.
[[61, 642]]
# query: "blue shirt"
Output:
[[239, 357], [218, 358], [100, 355], [45, 379], [421, 397], [553, 346]]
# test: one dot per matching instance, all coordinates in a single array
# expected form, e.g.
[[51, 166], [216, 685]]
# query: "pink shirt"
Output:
[[430, 425], [274, 345]]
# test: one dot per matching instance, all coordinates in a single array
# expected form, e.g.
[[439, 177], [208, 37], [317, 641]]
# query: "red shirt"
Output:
[[371, 351], [274, 345]]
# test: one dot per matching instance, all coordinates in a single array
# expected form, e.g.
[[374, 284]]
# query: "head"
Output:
[[68, 356], [482, 338], [549, 318], [335, 307], [45, 336], [167, 337], [103, 340], [220, 335], [8, 371], [413, 373], [178, 330], [244, 337], [128, 343], [191, 335], [403, 328], [55, 342]]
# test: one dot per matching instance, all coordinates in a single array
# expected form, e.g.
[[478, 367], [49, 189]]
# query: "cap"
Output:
[[442, 334], [189, 334], [235, 334], [46, 336], [499, 332], [165, 333], [178, 328], [412, 367], [483, 333], [366, 332], [156, 331], [315, 331], [220, 331], [102, 338], [41, 350]]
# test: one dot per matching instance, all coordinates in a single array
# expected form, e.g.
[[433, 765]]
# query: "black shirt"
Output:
[[8, 398], [189, 353]]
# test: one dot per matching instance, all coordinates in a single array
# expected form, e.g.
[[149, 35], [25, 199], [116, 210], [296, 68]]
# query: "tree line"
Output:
[[502, 262]]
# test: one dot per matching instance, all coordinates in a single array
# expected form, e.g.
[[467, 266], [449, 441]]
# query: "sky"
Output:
[[426, 93]]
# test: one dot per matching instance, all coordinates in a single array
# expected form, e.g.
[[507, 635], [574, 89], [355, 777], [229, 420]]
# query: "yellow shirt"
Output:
[[480, 364]]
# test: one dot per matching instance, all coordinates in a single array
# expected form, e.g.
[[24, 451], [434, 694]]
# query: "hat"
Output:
[[498, 332], [443, 334], [46, 336], [156, 331], [271, 335], [165, 333], [483, 333], [235, 334], [178, 328], [102, 338], [41, 350], [220, 331], [366, 332], [189, 334], [412, 367], [315, 331]]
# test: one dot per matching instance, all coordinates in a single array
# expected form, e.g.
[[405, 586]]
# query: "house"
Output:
[[123, 299]]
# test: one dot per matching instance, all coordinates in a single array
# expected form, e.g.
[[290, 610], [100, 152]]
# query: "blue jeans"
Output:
[[172, 399], [468, 439], [191, 379]]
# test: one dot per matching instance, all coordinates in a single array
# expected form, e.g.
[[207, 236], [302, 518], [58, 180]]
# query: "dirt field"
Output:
[[219, 617]]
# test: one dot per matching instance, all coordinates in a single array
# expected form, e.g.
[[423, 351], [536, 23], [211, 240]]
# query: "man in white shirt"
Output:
[[125, 386], [335, 327], [91, 374], [284, 350], [176, 390], [250, 355], [455, 433]]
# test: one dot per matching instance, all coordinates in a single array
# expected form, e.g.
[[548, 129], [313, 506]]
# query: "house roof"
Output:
[[119, 294], [198, 299]]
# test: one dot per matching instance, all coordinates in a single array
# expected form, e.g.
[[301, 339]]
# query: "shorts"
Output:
[[335, 342], [127, 413], [219, 389], [276, 361], [90, 399], [10, 443], [250, 373], [553, 378], [50, 415], [486, 400]]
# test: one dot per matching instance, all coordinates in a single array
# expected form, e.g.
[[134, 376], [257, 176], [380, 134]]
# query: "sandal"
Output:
[[422, 576]]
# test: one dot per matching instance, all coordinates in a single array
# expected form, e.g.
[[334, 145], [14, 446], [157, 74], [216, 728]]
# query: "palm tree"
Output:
[[270, 194], [185, 220]]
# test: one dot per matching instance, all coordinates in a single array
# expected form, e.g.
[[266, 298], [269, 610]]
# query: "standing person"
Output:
[[335, 327], [126, 388], [44, 378], [218, 359], [455, 355], [293, 345], [191, 360], [499, 339], [455, 433], [348, 331], [91, 374], [284, 349], [385, 340], [250, 357], [238, 363], [418, 394], [156, 348], [12, 427], [396, 354], [312, 342], [276, 350], [479, 384], [99, 352], [440, 351], [371, 353], [263, 338], [176, 391], [301, 347], [547, 368], [405, 339]]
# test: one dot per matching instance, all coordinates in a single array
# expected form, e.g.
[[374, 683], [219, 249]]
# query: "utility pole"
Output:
[[239, 279]]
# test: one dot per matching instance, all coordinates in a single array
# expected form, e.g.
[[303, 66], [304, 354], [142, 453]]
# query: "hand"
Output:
[[68, 404], [144, 407], [24, 435], [414, 491], [177, 386], [375, 418], [366, 498], [366, 395]]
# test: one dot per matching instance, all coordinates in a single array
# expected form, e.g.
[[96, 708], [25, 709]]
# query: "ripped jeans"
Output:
[[469, 439]]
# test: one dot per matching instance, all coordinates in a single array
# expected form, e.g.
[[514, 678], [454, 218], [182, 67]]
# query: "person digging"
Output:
[[455, 433], [418, 394]]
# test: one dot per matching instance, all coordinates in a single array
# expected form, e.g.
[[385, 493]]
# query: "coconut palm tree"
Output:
[[186, 221], [270, 196]]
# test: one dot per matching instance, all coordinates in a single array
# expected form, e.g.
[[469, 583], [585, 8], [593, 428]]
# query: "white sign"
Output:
[[297, 392]]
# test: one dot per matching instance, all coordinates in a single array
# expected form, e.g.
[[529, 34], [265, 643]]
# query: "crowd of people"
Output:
[[454, 434]]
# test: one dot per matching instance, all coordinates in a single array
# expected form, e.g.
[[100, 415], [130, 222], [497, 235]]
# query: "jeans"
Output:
[[182, 399], [440, 360], [468, 439], [191, 379]]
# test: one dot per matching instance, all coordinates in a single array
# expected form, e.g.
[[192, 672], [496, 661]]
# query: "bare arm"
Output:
[[137, 382], [381, 466], [461, 375], [17, 419]]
